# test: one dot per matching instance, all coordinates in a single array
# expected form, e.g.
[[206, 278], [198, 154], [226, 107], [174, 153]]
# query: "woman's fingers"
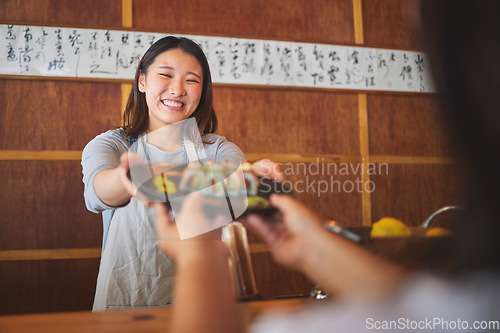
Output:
[[127, 162], [269, 169]]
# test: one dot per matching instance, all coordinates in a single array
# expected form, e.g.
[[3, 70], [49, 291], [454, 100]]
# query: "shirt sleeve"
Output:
[[228, 151], [103, 152]]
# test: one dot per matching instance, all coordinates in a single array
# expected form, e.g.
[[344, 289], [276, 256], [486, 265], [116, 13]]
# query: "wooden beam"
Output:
[[44, 155], [359, 37], [412, 160], [126, 89], [50, 254], [303, 158], [127, 22], [76, 155], [127, 13], [84, 253], [364, 149]]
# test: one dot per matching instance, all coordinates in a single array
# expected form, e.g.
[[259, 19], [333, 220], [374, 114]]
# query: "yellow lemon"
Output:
[[389, 227], [438, 232]]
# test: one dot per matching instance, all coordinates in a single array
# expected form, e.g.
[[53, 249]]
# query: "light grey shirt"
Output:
[[133, 272]]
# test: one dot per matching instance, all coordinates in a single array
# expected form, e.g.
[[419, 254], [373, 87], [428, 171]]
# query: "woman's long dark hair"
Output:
[[136, 116]]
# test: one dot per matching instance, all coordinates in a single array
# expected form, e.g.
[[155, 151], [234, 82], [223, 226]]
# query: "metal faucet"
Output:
[[429, 220]]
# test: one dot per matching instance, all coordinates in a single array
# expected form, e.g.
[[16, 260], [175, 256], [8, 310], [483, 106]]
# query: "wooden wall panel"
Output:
[[407, 125], [272, 280], [391, 24], [326, 189], [83, 13], [44, 207], [45, 115], [322, 21], [47, 286], [412, 193], [288, 121]]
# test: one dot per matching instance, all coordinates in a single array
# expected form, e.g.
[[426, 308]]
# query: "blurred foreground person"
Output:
[[373, 295]]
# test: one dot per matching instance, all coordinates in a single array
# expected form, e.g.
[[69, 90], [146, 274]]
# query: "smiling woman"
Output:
[[172, 84], [173, 87]]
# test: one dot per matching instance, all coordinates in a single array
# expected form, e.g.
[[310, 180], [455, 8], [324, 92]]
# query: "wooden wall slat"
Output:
[[47, 286], [43, 207], [359, 37], [328, 189], [88, 12], [412, 193], [49, 254], [406, 126], [41, 155], [272, 280], [89, 253], [278, 121], [55, 115], [322, 21], [391, 24]]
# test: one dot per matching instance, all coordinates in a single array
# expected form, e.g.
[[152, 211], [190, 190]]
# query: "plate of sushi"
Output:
[[224, 183]]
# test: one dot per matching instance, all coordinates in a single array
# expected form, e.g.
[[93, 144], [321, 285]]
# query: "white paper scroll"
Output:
[[114, 54]]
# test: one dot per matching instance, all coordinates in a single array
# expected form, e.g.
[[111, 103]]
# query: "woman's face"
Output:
[[173, 85]]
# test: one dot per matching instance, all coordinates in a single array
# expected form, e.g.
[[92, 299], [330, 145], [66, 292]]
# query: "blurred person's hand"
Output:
[[191, 214], [287, 238]]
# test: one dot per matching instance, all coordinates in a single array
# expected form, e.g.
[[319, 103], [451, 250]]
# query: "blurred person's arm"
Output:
[[335, 263], [203, 296]]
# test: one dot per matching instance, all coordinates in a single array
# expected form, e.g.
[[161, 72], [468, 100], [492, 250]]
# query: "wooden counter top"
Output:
[[136, 320]]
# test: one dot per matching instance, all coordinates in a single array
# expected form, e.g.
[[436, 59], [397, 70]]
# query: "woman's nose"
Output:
[[176, 88]]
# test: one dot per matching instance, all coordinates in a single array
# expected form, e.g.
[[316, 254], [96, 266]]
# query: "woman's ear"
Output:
[[142, 83]]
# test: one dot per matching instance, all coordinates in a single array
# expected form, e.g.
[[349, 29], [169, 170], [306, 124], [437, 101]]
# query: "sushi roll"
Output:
[[251, 180], [193, 177], [215, 177]]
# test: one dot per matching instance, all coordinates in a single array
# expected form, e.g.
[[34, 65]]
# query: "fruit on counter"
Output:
[[389, 227], [438, 232]]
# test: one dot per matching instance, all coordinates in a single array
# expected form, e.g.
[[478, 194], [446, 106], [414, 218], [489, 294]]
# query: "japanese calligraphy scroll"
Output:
[[114, 54]]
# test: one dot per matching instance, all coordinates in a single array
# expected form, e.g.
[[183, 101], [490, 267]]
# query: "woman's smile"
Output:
[[177, 105]]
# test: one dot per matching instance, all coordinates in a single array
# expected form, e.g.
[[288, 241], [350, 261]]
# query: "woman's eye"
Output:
[[166, 75], [193, 81]]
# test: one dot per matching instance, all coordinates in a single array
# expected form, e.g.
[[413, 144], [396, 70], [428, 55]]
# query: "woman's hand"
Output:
[[113, 186], [288, 238], [269, 169], [127, 160]]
